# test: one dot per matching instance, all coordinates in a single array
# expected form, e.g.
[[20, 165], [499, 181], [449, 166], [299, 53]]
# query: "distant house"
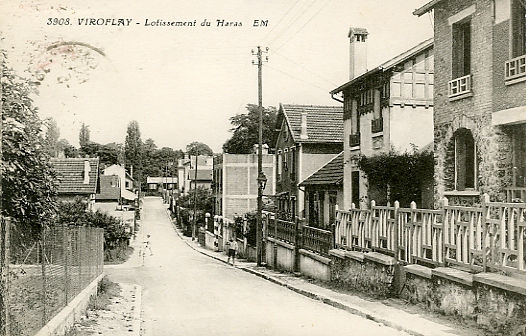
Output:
[[387, 107], [306, 138], [161, 183], [235, 185], [116, 185], [77, 177], [186, 172], [324, 193], [110, 189]]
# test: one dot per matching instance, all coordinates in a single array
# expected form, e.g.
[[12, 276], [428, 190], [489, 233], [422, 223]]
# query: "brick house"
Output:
[[186, 172], [306, 138], [480, 98], [387, 107], [324, 193], [77, 177], [235, 185]]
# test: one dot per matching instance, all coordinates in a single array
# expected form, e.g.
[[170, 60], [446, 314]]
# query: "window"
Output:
[[355, 188], [285, 158], [280, 164], [465, 160], [518, 28], [292, 163], [461, 49]]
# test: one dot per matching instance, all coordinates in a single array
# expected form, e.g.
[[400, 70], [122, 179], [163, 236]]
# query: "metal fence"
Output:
[[40, 276]]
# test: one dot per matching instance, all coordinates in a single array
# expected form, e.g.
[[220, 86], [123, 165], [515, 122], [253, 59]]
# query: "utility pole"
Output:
[[259, 221]]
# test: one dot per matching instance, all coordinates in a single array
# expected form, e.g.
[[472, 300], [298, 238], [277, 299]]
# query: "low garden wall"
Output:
[[281, 253], [314, 265]]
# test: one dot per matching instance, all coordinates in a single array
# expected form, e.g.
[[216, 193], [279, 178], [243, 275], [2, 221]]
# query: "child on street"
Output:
[[232, 249]]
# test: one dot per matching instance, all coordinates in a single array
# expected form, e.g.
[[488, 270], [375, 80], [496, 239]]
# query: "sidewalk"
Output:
[[391, 313]]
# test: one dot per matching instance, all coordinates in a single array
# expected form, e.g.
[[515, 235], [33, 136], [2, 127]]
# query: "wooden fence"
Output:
[[489, 237]]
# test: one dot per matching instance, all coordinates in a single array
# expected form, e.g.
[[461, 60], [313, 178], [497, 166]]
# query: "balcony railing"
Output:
[[354, 140], [515, 68], [377, 125], [459, 86]]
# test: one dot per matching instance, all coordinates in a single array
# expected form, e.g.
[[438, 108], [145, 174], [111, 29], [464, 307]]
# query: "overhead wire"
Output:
[[301, 66], [277, 24], [306, 23], [302, 80]]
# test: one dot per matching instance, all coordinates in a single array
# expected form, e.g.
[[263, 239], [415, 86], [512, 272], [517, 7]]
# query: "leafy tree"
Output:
[[400, 176], [198, 148], [246, 130], [84, 135], [133, 148], [28, 180], [69, 150], [204, 198], [51, 138]]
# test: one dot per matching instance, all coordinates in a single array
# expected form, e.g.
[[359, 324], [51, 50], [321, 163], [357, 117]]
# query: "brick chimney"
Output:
[[358, 52], [303, 134]]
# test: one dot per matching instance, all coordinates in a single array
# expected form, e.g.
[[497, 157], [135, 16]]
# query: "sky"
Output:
[[183, 83]]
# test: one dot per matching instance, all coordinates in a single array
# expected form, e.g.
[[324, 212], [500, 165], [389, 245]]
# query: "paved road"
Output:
[[187, 293]]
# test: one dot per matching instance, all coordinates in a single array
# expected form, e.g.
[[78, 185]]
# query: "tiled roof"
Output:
[[70, 174], [324, 123], [331, 173], [109, 188], [202, 175]]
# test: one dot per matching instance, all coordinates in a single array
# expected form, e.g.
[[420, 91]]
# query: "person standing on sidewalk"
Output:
[[232, 249]]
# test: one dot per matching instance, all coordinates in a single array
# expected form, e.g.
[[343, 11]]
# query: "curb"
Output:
[[137, 311], [324, 299]]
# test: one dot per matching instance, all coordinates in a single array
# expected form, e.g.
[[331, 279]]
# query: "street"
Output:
[[187, 293]]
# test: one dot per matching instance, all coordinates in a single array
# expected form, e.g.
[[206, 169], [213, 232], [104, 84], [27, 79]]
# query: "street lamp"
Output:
[[262, 181]]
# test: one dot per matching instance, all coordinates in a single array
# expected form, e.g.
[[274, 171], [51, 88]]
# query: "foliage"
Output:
[[133, 149], [109, 154], [28, 180], [160, 162], [401, 175], [246, 130], [84, 135], [69, 150], [250, 230], [51, 141], [75, 213], [198, 148], [205, 200]]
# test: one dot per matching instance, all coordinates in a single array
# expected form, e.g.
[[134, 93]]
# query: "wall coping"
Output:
[[359, 256], [502, 281], [453, 275], [209, 233], [315, 256], [337, 253], [381, 258], [422, 271], [281, 243]]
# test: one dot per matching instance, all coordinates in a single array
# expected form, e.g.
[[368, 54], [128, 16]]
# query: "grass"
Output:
[[117, 256], [106, 290]]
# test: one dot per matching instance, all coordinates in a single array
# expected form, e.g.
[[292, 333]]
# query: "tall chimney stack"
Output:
[[303, 134], [358, 52]]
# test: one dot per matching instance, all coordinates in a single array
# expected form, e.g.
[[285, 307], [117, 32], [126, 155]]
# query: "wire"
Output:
[[277, 24], [275, 50], [288, 59], [304, 81], [293, 22]]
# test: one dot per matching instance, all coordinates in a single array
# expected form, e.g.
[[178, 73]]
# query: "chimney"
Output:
[[264, 149], [87, 169], [303, 134], [358, 52]]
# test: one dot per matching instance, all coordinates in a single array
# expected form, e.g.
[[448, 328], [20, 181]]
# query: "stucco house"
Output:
[[306, 137], [387, 107]]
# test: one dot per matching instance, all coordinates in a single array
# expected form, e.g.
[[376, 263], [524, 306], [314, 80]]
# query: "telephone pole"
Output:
[[259, 222]]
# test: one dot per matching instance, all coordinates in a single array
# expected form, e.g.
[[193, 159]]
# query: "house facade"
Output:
[[77, 177], [235, 184], [116, 177], [389, 107], [324, 193], [480, 104], [186, 172], [306, 138]]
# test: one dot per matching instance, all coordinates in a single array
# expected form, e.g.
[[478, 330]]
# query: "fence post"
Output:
[[484, 201], [65, 253], [43, 261], [4, 284], [443, 204], [396, 233]]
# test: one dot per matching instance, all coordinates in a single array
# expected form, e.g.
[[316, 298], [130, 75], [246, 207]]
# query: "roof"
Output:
[[358, 31], [202, 175], [388, 64], [169, 179], [324, 123], [330, 173], [426, 8], [109, 188], [70, 174]]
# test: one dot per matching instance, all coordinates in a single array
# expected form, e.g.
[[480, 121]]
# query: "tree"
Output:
[[198, 148], [69, 150], [84, 135], [246, 130], [28, 180], [51, 138], [201, 198], [133, 149]]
